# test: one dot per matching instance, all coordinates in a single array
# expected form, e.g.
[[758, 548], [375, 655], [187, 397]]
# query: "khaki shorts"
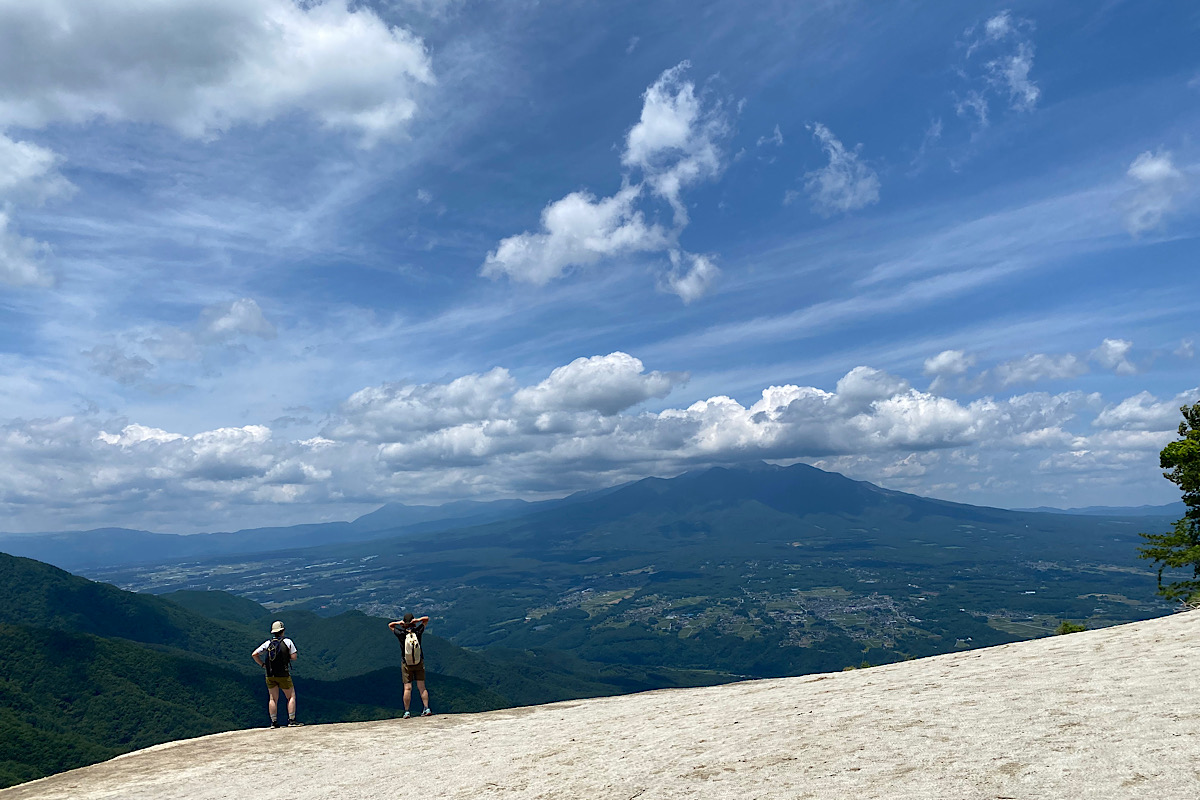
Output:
[[413, 672], [284, 682]]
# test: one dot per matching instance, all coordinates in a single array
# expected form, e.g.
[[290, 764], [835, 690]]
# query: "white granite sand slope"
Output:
[[1113, 713]]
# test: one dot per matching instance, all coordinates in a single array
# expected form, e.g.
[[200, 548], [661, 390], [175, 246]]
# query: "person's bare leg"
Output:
[[424, 695], [290, 694], [273, 703], [407, 695]]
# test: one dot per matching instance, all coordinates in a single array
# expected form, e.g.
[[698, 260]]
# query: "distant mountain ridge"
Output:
[[103, 547], [777, 487], [1176, 509]]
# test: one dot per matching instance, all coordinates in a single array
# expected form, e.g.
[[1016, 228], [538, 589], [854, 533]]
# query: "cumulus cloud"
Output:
[[949, 362], [242, 317], [675, 144], [1040, 366], [1144, 412], [1157, 183], [577, 231], [845, 183], [578, 427], [201, 67], [1113, 354], [605, 384]]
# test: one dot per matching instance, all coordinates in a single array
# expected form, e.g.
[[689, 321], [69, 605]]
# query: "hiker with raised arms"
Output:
[[276, 655], [409, 632]]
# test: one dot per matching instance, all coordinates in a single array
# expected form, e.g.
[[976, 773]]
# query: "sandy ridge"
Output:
[[1088, 715]]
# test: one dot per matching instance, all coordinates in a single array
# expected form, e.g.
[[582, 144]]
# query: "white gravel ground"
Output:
[[1113, 713]]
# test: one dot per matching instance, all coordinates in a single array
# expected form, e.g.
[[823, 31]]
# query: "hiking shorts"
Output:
[[281, 682], [413, 672]]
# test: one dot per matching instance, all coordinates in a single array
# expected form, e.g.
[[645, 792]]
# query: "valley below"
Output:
[[754, 573]]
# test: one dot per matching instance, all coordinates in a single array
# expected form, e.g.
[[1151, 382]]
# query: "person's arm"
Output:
[[292, 647], [254, 655], [422, 621], [392, 625]]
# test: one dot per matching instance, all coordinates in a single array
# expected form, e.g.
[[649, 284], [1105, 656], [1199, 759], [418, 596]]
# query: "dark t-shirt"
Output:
[[418, 627]]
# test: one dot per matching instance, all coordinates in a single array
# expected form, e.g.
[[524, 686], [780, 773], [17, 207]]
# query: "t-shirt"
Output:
[[262, 651], [417, 627]]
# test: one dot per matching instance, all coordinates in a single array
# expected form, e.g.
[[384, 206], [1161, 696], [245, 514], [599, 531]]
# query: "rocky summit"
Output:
[[1110, 713]]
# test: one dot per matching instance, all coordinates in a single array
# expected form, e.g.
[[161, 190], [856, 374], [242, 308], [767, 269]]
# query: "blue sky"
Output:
[[265, 263]]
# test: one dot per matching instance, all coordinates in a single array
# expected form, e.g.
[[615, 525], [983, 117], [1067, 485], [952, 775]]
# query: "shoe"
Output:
[[427, 713], [406, 715], [274, 724], [292, 723]]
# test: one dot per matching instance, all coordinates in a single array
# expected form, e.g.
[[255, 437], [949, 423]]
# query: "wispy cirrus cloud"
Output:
[[846, 183], [997, 67]]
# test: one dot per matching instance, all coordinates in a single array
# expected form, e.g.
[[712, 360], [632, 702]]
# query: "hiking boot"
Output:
[[292, 723], [427, 713], [274, 724], [406, 715]]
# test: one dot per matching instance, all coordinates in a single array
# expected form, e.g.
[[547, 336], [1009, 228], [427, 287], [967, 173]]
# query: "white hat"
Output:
[[276, 627]]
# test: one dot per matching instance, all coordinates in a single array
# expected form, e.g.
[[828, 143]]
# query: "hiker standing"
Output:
[[409, 631], [276, 655]]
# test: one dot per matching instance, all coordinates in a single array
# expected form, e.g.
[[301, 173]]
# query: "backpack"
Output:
[[279, 658], [412, 649]]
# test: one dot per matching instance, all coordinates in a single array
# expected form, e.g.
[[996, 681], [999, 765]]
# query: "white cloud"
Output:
[[203, 66], [607, 384], [949, 362], [845, 183], [863, 386], [692, 282], [22, 260], [1040, 366], [486, 434], [29, 173], [1010, 72], [242, 317], [1143, 412], [1186, 349], [974, 103], [1007, 72], [577, 231], [133, 356], [776, 138], [394, 412], [1113, 354], [1157, 183], [676, 142], [28, 176], [113, 362]]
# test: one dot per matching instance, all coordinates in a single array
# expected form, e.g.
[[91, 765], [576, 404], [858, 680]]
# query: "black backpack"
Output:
[[279, 658]]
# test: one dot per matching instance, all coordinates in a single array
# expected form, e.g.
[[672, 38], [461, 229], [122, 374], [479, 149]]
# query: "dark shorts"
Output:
[[413, 672], [283, 682]]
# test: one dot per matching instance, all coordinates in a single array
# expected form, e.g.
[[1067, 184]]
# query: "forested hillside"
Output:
[[88, 671]]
